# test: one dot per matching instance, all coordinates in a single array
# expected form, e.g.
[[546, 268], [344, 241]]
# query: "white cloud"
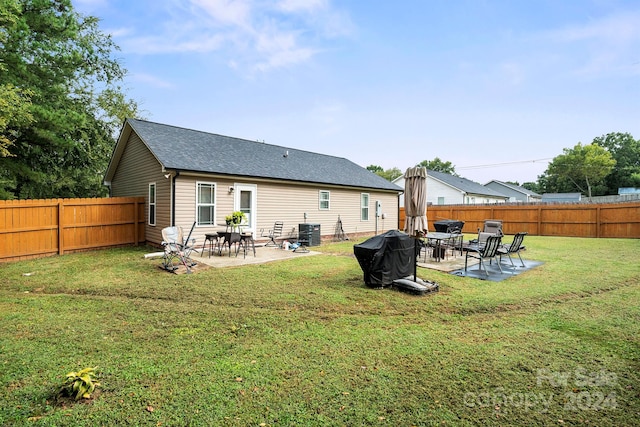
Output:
[[151, 80], [606, 46], [301, 5], [232, 12], [252, 34], [615, 29]]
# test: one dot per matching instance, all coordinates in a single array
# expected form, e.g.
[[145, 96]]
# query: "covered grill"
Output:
[[385, 258], [446, 225]]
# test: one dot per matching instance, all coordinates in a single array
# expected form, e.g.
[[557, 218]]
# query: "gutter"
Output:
[[172, 175], [173, 198]]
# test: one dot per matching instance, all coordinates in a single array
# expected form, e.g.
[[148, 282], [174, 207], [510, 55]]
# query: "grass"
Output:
[[304, 342]]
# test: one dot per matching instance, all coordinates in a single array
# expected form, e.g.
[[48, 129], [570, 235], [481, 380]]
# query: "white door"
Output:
[[245, 196]]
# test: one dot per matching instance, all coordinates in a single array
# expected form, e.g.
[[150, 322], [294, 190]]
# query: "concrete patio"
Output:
[[263, 254]]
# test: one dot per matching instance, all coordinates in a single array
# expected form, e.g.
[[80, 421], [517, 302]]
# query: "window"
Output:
[[364, 207], [440, 200], [323, 200], [152, 203], [206, 203]]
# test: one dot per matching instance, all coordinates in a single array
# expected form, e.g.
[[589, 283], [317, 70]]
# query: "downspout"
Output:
[[173, 198]]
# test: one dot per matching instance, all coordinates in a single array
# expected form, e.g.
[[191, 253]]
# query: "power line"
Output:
[[493, 165]]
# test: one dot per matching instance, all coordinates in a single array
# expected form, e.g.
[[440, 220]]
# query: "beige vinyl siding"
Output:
[[186, 188], [136, 169], [286, 202]]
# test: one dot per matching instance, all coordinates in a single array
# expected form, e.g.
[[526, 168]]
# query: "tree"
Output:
[[439, 166], [389, 174], [14, 102], [626, 152], [583, 166], [68, 82]]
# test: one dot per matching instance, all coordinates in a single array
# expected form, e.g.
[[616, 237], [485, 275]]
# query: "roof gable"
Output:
[[513, 187], [465, 185], [196, 151]]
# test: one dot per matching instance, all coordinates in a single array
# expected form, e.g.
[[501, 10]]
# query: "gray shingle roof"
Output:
[[515, 188], [463, 184], [197, 151]]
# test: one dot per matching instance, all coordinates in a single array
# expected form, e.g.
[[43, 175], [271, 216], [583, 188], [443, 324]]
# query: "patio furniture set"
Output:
[[488, 246]]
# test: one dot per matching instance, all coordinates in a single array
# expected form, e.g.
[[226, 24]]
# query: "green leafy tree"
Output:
[[532, 186], [62, 63], [439, 166], [584, 166], [14, 102], [388, 174], [626, 152]]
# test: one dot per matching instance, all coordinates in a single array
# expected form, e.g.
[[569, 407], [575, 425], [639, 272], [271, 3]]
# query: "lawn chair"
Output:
[[273, 234], [488, 251], [177, 250], [513, 248], [492, 227]]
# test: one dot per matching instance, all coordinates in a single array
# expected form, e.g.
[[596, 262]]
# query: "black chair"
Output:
[[513, 248], [247, 243], [273, 234], [482, 252], [213, 240], [455, 242]]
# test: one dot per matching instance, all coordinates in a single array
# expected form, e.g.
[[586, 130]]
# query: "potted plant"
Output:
[[235, 219]]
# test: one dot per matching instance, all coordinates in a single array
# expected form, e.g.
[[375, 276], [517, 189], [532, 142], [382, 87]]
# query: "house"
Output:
[[191, 176], [561, 197], [446, 189], [515, 192]]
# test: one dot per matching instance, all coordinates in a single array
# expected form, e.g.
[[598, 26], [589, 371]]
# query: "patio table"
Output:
[[438, 239]]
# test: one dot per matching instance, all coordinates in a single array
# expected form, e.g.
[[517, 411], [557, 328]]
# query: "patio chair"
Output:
[[492, 227], [513, 248], [177, 250], [273, 234], [455, 242], [488, 251]]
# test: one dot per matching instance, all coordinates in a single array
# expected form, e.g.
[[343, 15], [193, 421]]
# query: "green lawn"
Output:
[[305, 342]]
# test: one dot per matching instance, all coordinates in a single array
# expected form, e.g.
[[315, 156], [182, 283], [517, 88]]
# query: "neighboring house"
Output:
[[445, 189], [561, 197], [188, 175], [515, 192]]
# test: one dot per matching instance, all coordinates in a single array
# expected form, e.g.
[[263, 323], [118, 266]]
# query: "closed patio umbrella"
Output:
[[415, 201], [415, 206]]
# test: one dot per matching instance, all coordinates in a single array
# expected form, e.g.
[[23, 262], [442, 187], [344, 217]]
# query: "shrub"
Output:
[[80, 384]]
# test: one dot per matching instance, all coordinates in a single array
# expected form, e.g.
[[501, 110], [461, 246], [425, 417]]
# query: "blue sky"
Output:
[[498, 88]]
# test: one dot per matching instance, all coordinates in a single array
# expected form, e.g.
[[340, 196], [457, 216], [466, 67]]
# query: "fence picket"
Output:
[[36, 228], [613, 220]]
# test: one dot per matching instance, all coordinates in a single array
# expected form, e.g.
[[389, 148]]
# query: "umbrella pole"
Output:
[[415, 261]]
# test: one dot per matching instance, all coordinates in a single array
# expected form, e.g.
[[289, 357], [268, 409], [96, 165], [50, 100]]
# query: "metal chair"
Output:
[[177, 250], [513, 248], [492, 227], [274, 233], [488, 251]]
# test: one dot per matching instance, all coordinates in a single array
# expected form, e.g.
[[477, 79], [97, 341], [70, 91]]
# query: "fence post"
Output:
[[60, 227], [135, 222]]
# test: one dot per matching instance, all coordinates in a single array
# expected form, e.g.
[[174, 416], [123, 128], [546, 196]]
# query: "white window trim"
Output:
[[320, 200], [214, 204], [362, 207], [152, 218]]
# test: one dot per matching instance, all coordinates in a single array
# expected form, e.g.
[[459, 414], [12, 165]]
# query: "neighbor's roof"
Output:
[[465, 185], [515, 188], [561, 197], [190, 150]]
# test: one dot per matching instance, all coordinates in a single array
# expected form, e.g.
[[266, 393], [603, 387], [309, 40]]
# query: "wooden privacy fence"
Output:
[[571, 220], [36, 228]]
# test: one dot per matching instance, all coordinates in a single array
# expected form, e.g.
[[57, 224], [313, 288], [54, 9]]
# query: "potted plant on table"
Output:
[[235, 219]]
